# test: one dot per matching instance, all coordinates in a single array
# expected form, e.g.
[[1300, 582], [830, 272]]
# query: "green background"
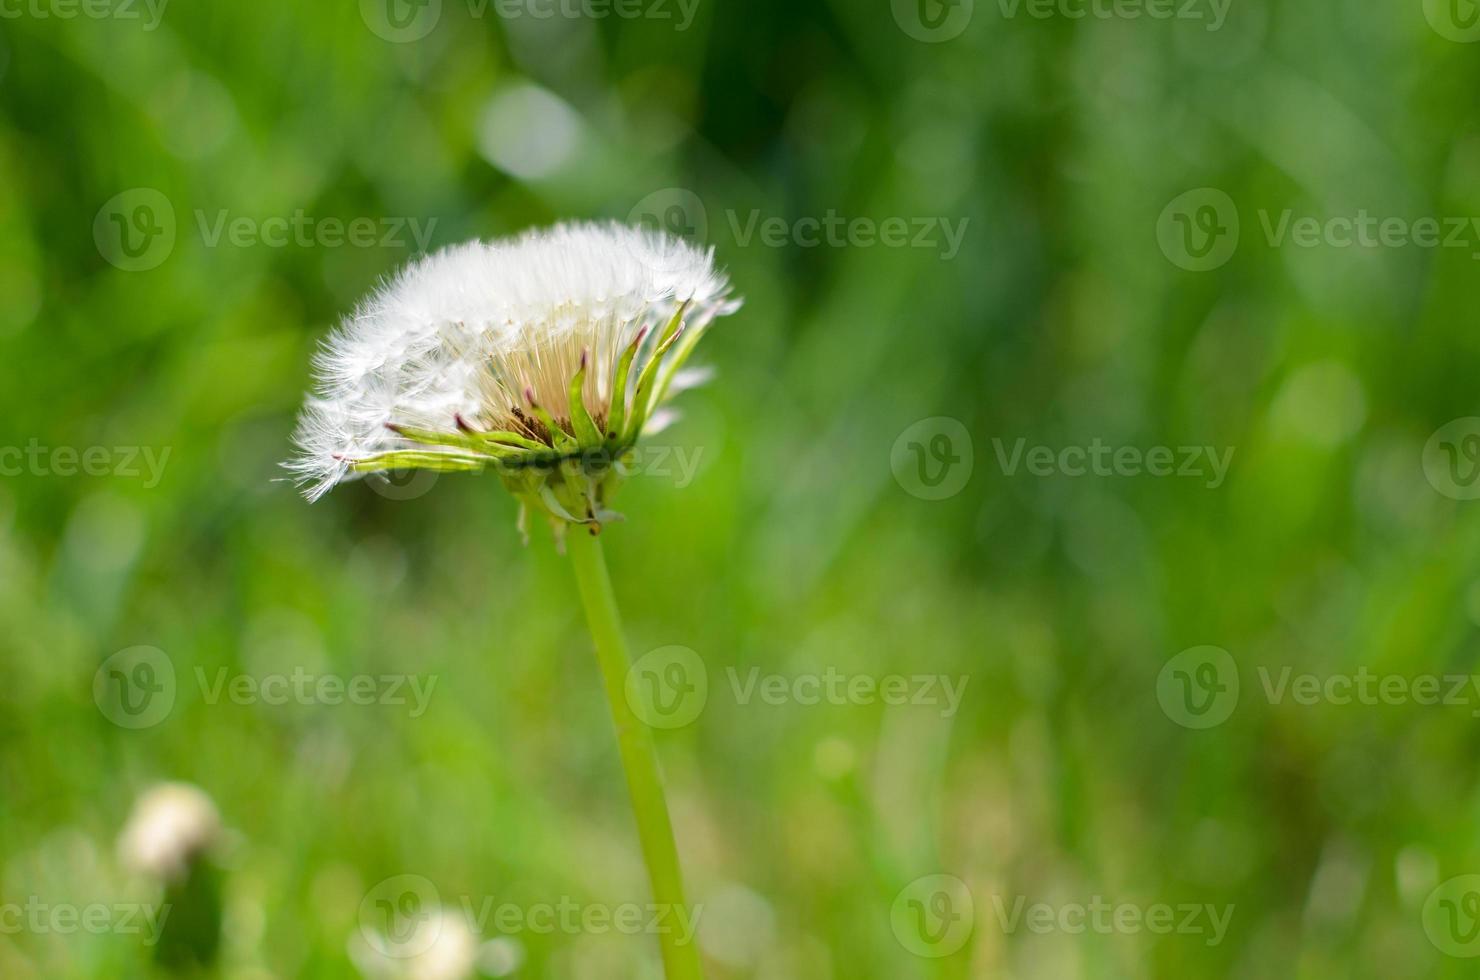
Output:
[[798, 546]]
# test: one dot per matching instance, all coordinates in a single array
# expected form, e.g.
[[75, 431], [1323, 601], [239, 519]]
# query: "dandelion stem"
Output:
[[635, 742]]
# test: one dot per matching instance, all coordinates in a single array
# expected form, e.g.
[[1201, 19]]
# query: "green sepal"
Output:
[[619, 386], [642, 402], [499, 438], [681, 353], [432, 437], [580, 419], [553, 504], [414, 460], [673, 324]]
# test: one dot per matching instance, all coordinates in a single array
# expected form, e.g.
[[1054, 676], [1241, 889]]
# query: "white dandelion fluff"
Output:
[[171, 825], [439, 945], [519, 354]]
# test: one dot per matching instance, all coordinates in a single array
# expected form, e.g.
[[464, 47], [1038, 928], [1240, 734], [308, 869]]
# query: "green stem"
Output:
[[635, 742]]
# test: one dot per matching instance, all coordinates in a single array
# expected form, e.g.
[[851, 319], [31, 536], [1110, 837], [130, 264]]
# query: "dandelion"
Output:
[[169, 839], [437, 945], [171, 827], [542, 359]]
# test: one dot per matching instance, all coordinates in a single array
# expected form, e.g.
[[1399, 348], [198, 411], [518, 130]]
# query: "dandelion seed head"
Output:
[[171, 824], [479, 335], [439, 945]]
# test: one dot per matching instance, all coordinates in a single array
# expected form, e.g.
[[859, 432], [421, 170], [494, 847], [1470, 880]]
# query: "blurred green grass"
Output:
[[794, 549]]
